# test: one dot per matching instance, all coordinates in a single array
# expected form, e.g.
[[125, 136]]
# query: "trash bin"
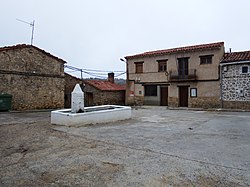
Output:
[[5, 101]]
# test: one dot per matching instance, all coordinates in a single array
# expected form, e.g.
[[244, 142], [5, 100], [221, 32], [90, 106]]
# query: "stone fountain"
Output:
[[80, 115]]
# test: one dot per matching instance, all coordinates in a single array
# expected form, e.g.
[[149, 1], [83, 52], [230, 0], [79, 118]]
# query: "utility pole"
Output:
[[32, 24]]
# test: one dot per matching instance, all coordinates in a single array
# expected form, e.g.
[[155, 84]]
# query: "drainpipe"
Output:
[[221, 95]]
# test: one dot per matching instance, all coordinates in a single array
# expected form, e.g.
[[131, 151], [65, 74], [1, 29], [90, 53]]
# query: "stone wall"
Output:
[[33, 77], [173, 101], [30, 59], [33, 92], [135, 101], [204, 102], [236, 87], [243, 105]]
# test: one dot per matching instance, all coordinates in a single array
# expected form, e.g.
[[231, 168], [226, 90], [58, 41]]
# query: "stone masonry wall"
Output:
[[204, 102], [33, 92], [236, 87], [34, 78], [30, 60]]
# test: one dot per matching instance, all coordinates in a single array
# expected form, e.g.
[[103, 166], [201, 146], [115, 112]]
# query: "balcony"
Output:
[[175, 76]]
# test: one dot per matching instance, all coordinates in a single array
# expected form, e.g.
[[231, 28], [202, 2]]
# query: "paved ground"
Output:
[[157, 147]]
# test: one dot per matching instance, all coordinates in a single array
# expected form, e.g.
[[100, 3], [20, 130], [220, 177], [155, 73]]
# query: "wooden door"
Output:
[[183, 96], [88, 99], [164, 96]]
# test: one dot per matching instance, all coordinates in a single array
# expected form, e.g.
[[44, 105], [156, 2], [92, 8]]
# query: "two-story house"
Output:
[[179, 77]]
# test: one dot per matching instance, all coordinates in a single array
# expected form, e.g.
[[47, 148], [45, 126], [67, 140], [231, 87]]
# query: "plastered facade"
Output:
[[207, 81]]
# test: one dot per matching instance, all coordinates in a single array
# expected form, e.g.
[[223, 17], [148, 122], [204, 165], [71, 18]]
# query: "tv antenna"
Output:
[[32, 24]]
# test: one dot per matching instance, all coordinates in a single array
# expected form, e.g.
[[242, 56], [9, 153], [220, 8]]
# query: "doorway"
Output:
[[164, 96], [183, 96], [88, 99]]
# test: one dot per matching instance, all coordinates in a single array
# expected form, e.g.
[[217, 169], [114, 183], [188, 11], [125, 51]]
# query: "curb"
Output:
[[210, 109], [26, 111]]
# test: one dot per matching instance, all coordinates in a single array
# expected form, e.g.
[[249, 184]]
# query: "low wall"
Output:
[[244, 105]]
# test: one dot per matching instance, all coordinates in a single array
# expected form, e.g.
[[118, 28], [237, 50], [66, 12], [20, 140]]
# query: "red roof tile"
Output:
[[200, 47], [236, 56], [20, 46], [104, 85]]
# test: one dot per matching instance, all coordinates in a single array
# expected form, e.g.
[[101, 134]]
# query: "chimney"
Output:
[[111, 77]]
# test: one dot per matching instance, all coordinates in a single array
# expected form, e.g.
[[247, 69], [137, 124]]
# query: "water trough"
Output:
[[80, 115]]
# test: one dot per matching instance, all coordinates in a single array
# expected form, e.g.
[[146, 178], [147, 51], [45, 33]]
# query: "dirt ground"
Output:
[[154, 148]]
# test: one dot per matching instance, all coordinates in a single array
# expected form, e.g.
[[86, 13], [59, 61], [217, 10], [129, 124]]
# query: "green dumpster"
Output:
[[5, 101]]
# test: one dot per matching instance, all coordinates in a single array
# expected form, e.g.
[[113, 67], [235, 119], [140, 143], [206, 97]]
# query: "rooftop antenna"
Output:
[[32, 24]]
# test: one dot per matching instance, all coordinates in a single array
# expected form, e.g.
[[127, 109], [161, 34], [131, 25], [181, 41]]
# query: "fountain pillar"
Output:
[[77, 99]]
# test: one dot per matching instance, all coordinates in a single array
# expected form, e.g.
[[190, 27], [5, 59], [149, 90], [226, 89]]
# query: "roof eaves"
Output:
[[242, 56], [200, 47]]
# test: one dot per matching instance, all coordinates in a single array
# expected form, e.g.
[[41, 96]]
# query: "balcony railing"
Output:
[[181, 76]]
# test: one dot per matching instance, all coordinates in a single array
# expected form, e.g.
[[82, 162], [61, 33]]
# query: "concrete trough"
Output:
[[91, 115]]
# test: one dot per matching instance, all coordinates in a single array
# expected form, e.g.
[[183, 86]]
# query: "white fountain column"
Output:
[[77, 99]]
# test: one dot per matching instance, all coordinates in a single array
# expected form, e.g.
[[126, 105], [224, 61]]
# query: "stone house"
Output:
[[96, 92], [179, 77], [235, 80], [34, 77]]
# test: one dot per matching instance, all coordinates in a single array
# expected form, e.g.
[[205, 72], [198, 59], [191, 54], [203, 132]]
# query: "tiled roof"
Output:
[[200, 47], [20, 46], [104, 85], [236, 56]]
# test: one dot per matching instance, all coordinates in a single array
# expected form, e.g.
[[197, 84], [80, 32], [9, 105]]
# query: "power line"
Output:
[[91, 70], [94, 73], [120, 74], [101, 70]]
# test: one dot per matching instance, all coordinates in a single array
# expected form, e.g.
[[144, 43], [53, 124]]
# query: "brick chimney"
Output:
[[111, 77]]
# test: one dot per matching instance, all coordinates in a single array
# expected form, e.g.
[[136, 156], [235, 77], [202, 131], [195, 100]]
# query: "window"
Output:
[[162, 65], [244, 69], [183, 67], [206, 59], [150, 90], [138, 67]]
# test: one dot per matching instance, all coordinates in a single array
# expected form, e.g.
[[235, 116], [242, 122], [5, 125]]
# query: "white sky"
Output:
[[95, 34]]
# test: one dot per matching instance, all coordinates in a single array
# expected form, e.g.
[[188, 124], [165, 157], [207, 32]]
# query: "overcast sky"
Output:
[[95, 34]]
